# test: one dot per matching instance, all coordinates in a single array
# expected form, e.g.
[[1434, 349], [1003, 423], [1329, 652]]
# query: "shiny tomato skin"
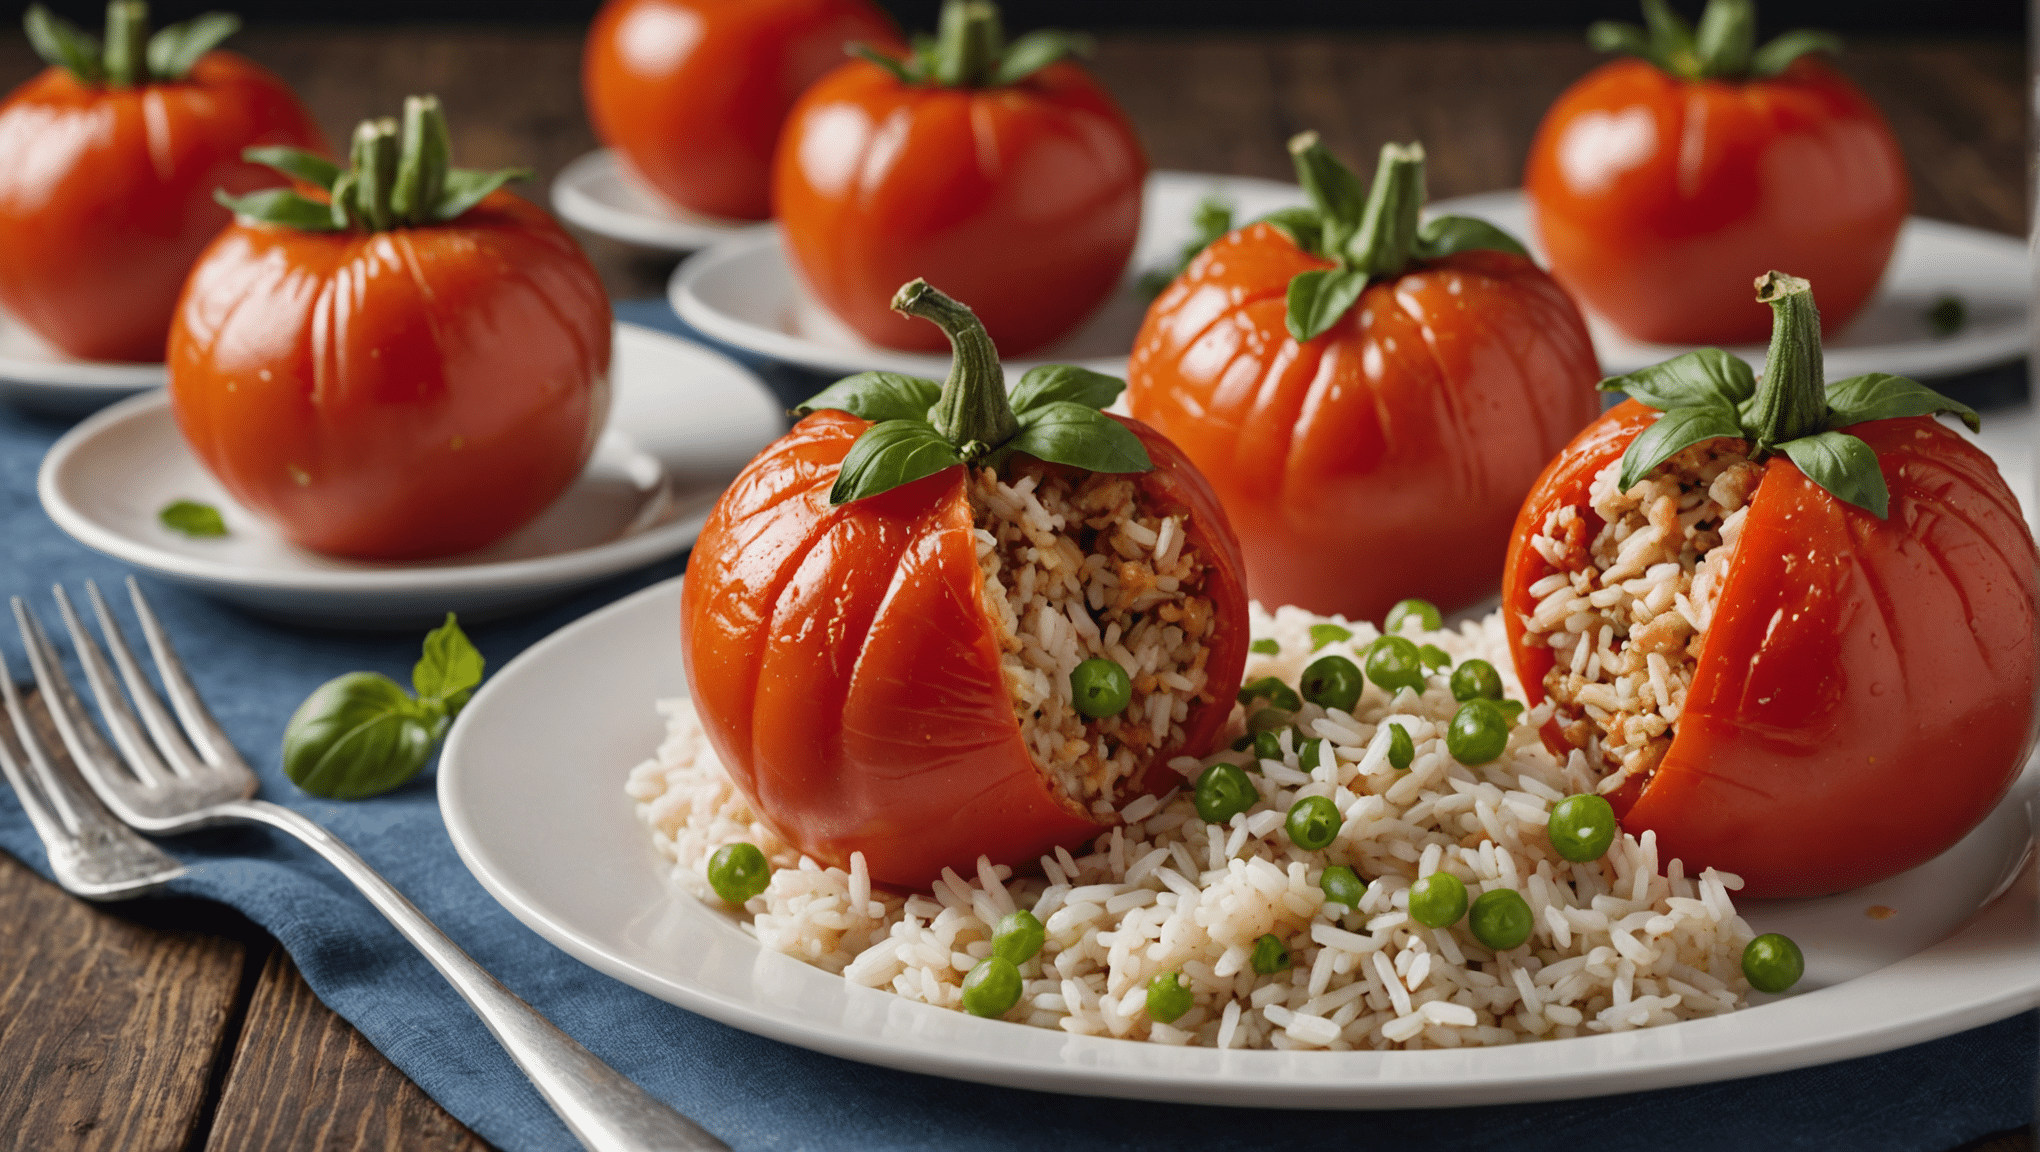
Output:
[[1659, 200], [1023, 200], [1865, 693], [394, 395], [1387, 457], [692, 93], [106, 195], [848, 676]]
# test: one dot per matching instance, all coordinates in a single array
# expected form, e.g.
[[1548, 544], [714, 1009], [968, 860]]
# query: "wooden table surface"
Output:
[[178, 1024]]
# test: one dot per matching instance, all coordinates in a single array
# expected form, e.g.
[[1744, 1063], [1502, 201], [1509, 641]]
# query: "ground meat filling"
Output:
[[1624, 612], [1073, 571]]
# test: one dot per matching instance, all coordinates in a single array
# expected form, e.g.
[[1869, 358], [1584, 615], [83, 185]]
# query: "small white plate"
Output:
[[745, 293], [1991, 273], [35, 375], [599, 194], [535, 807], [683, 421]]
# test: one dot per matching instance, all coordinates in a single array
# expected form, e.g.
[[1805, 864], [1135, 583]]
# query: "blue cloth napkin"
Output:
[[756, 1093]]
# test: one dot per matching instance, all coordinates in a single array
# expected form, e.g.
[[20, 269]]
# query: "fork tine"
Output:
[[109, 774], [41, 788], [169, 741], [206, 734]]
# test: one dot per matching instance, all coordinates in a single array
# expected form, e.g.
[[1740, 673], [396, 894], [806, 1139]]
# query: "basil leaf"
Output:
[[467, 187], [1670, 34], [1779, 54], [1323, 634], [1947, 316], [64, 44], [889, 454], [1677, 428], [192, 518], [1704, 377], [1881, 396], [1616, 36], [1037, 50], [899, 69], [1319, 297], [281, 206], [356, 735], [1212, 219], [296, 163], [1064, 433], [1843, 465], [174, 50], [1057, 383], [1725, 38], [450, 665], [877, 397], [1264, 646], [1304, 227], [1443, 235]]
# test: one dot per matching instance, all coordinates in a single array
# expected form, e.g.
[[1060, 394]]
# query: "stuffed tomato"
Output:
[[932, 623], [1791, 629]]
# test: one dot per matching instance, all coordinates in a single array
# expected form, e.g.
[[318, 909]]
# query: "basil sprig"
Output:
[[1723, 47], [1212, 219], [969, 50], [1708, 393], [361, 734], [1368, 232], [920, 427], [395, 179], [130, 56]]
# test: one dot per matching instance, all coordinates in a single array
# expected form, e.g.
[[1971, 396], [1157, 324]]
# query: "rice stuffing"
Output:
[[1624, 942]]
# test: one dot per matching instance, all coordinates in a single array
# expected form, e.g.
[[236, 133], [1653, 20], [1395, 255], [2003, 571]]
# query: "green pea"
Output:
[[1271, 955], [1438, 900], [1433, 657], [1392, 663], [1100, 688], [1267, 746], [1772, 963], [738, 872], [1323, 634], [1314, 822], [1168, 998], [1423, 612], [1582, 827], [992, 988], [1311, 754], [1474, 678], [1500, 919], [1264, 646], [1273, 691], [1478, 732], [1018, 937], [1223, 792], [1333, 683], [1401, 749], [1269, 719], [1342, 886]]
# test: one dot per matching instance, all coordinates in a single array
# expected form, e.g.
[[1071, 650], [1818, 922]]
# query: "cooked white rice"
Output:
[[1625, 942]]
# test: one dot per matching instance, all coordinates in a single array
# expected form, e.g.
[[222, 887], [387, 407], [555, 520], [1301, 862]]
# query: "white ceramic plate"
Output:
[[531, 787], [745, 293], [599, 194], [36, 375], [1990, 272], [683, 421]]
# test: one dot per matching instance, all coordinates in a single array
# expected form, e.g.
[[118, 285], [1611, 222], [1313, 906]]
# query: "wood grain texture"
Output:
[[304, 1079]]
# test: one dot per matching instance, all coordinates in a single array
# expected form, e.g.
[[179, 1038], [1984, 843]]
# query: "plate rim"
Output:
[[561, 568], [69, 375], [666, 233], [1952, 965]]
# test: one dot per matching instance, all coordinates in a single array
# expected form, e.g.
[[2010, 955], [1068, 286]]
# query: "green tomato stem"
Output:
[[127, 43], [969, 42], [375, 171], [1388, 225], [1791, 397], [973, 412], [427, 154], [1725, 38]]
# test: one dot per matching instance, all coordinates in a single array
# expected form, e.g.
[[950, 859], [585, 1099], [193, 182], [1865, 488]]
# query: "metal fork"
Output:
[[174, 774]]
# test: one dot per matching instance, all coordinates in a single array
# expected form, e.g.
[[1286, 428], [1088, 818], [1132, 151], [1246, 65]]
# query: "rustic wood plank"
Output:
[[110, 1024], [303, 1078]]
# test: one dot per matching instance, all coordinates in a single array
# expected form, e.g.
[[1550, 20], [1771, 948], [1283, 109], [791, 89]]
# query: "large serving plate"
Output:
[[597, 192], [682, 421], [531, 787]]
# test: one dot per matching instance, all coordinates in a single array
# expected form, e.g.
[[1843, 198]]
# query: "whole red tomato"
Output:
[[1864, 693], [846, 669], [1662, 186], [1019, 191], [1384, 454], [692, 93], [397, 388], [106, 190]]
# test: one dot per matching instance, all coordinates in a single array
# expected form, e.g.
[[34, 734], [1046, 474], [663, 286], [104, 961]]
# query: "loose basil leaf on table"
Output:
[[192, 518], [361, 734]]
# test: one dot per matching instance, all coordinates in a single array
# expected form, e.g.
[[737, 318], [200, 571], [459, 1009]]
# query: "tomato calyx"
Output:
[[920, 427], [1708, 393], [1723, 47], [130, 56], [1371, 234], [969, 50], [394, 179]]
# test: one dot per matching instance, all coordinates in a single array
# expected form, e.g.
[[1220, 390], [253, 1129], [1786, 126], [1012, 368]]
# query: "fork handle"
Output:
[[605, 1110]]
